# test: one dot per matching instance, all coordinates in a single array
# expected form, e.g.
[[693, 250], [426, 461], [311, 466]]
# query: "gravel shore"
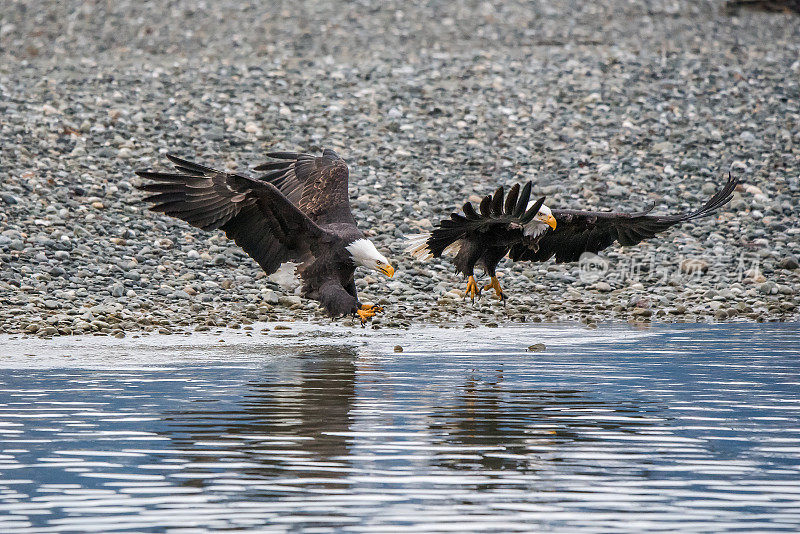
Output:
[[614, 106]]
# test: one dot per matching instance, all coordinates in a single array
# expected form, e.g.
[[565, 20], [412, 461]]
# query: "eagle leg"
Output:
[[366, 312], [472, 289], [498, 291]]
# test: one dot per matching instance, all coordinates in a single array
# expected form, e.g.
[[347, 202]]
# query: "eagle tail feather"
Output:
[[418, 246]]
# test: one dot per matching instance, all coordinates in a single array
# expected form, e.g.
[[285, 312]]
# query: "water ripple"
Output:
[[687, 428]]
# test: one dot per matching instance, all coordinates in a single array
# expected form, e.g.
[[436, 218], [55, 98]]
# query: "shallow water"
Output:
[[693, 428]]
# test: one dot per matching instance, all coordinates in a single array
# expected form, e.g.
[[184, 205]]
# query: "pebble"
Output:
[[290, 300], [747, 137], [692, 266], [790, 263], [270, 297], [768, 288]]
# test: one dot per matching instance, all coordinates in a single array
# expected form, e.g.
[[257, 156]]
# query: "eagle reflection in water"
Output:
[[294, 421], [517, 429], [306, 422]]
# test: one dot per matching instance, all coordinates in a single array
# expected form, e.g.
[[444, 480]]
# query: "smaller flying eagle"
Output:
[[298, 212], [527, 230]]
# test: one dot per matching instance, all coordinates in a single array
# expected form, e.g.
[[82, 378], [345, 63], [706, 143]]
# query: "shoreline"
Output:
[[237, 346]]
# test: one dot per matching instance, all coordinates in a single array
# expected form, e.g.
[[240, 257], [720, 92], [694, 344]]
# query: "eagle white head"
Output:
[[541, 221], [365, 254]]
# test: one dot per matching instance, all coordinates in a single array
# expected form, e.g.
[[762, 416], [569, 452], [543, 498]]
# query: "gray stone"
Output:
[[767, 288], [117, 290], [747, 137], [290, 300], [789, 263]]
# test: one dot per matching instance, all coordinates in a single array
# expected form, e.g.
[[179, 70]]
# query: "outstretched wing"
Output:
[[315, 184], [497, 216], [577, 232], [775, 6], [253, 213]]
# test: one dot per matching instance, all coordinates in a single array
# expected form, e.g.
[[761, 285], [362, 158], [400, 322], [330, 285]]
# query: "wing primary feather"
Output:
[[161, 187], [161, 198], [284, 155], [187, 170], [271, 165], [524, 197], [188, 166], [722, 197], [511, 199], [486, 206], [497, 202], [167, 207], [168, 176], [531, 213], [469, 211], [208, 209]]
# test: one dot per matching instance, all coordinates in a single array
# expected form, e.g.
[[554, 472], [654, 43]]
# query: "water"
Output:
[[693, 428]]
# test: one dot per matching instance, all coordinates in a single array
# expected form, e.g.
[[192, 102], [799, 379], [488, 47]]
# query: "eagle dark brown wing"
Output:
[[253, 213], [577, 232], [774, 6], [318, 185], [494, 220]]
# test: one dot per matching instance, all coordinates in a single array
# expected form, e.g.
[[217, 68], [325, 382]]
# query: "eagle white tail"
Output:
[[418, 246]]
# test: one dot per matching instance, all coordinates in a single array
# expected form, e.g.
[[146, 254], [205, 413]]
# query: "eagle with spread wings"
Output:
[[523, 229], [299, 212]]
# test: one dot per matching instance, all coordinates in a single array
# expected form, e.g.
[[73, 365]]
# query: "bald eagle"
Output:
[[299, 212], [528, 230]]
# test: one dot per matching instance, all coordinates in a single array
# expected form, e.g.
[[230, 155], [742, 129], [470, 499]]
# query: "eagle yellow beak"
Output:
[[551, 221], [388, 270]]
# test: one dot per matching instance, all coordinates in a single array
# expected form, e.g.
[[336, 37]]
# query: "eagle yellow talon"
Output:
[[367, 312], [498, 291], [472, 289]]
